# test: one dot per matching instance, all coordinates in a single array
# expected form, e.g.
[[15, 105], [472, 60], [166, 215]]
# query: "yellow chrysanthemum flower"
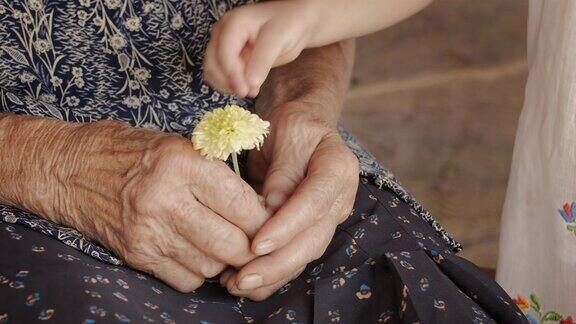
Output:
[[229, 130]]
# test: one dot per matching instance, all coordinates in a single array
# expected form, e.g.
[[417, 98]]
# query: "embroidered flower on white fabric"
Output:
[[85, 3]]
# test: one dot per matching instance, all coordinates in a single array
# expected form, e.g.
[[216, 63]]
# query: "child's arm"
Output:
[[250, 40], [343, 19]]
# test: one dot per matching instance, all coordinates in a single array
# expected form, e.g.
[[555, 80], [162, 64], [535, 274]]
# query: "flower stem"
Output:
[[235, 163]]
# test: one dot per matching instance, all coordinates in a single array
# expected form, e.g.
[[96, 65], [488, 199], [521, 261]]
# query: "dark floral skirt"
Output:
[[385, 264]]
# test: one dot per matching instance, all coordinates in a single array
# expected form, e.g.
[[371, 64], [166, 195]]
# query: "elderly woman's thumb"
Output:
[[281, 181]]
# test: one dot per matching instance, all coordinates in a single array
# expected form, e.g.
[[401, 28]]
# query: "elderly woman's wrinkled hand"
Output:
[[309, 178], [157, 203]]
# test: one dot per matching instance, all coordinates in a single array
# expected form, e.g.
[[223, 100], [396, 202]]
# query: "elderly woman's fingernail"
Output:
[[264, 247], [251, 281], [225, 276], [275, 199]]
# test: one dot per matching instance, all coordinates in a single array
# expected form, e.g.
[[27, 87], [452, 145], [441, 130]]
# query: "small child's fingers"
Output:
[[267, 49], [212, 73], [254, 91], [232, 41], [246, 54]]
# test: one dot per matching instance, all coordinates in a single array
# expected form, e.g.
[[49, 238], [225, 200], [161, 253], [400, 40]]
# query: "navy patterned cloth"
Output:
[[140, 62], [385, 264], [134, 61]]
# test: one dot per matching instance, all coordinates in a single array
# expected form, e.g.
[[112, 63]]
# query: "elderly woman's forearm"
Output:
[[44, 167], [29, 149], [145, 194]]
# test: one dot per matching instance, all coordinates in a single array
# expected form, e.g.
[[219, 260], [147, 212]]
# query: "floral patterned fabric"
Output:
[[128, 60], [140, 62], [385, 264], [537, 254], [536, 313]]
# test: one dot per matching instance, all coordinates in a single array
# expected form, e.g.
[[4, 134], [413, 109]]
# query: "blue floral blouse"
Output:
[[135, 61]]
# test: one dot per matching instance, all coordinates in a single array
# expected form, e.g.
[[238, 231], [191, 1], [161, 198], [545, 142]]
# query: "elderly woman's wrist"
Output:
[[43, 170], [25, 141], [278, 91], [97, 164], [318, 79], [69, 173]]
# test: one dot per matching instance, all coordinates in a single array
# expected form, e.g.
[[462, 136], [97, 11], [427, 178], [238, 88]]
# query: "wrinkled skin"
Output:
[[309, 178], [305, 171], [184, 217], [148, 196], [153, 200]]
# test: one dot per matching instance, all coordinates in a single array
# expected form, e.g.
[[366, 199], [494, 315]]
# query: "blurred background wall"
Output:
[[436, 98]]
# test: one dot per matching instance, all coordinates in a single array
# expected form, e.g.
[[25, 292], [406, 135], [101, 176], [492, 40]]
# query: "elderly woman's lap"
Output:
[[385, 263], [41, 278]]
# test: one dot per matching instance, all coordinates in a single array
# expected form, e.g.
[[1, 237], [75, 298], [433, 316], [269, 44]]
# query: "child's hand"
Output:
[[250, 40]]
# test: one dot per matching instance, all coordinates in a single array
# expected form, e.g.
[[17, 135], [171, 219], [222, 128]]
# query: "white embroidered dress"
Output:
[[538, 238]]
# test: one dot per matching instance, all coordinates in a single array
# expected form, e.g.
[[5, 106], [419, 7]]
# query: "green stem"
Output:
[[235, 163]]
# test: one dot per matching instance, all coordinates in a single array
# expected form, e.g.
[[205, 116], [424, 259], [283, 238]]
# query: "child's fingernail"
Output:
[[240, 90], [251, 281], [265, 247], [254, 81]]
